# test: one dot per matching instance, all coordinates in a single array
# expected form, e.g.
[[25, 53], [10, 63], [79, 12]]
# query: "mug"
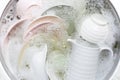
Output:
[[84, 60]]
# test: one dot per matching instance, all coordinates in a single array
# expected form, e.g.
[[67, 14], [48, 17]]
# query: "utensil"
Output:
[[84, 58]]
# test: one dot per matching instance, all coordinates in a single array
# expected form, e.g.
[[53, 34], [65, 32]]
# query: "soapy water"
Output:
[[72, 14]]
